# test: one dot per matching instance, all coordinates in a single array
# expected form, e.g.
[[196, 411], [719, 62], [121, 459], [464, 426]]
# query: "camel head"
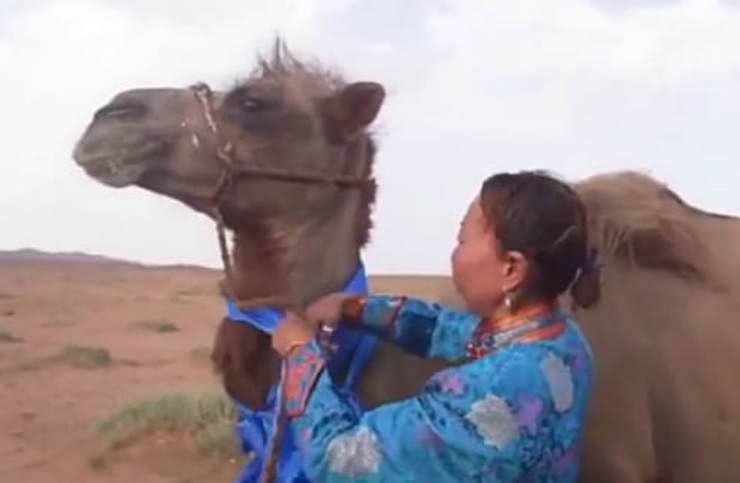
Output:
[[287, 115]]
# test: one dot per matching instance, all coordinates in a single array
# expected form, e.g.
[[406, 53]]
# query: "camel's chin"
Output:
[[115, 175], [118, 166]]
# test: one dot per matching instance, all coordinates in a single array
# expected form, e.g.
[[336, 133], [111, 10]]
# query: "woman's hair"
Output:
[[543, 218]]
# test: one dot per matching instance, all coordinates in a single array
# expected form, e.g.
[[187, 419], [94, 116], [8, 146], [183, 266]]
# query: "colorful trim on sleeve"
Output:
[[376, 313], [305, 365]]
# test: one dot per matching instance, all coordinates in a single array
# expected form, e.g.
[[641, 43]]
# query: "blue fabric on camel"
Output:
[[254, 428]]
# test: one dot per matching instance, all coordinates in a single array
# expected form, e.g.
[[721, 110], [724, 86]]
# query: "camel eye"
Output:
[[251, 104], [250, 107]]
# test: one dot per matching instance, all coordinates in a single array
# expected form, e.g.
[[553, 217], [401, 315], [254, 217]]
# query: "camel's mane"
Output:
[[283, 65]]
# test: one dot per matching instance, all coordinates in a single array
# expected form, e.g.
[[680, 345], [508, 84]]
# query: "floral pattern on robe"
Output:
[[513, 415]]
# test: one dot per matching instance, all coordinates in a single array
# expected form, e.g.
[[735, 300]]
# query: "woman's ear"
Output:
[[515, 270]]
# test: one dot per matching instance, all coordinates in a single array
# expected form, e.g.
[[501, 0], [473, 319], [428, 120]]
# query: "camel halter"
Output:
[[232, 170]]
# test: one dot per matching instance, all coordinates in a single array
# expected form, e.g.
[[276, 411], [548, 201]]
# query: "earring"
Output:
[[508, 302]]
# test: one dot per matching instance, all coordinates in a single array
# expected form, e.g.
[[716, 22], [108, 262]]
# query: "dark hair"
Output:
[[543, 218]]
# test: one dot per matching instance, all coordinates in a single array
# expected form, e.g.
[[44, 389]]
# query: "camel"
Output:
[[664, 338]]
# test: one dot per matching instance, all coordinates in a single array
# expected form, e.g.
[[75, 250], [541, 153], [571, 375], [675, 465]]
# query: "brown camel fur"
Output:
[[665, 344]]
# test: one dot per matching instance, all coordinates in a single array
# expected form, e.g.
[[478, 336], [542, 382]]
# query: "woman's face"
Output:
[[481, 274]]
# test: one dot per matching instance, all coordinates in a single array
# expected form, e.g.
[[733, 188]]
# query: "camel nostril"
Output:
[[121, 110]]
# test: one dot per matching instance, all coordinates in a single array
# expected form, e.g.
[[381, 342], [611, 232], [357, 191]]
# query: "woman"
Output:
[[512, 408]]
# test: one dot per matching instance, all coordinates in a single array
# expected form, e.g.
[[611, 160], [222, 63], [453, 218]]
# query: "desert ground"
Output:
[[104, 371]]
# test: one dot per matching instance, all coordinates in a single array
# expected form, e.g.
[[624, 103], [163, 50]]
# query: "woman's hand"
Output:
[[327, 310], [292, 331]]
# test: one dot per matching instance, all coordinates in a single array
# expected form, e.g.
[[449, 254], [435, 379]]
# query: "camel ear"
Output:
[[352, 109]]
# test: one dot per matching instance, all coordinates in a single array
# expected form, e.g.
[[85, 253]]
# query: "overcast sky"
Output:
[[475, 87]]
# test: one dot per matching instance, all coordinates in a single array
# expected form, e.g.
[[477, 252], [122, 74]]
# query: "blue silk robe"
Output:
[[512, 415]]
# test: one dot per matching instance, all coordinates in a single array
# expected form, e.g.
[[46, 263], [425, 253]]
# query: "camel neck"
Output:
[[297, 260]]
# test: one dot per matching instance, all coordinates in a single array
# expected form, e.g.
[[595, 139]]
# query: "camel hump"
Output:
[[632, 217]]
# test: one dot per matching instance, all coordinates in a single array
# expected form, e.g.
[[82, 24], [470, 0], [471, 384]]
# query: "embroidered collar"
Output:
[[266, 319], [538, 322]]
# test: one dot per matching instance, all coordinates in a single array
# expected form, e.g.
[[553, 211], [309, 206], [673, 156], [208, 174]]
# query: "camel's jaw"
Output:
[[116, 166]]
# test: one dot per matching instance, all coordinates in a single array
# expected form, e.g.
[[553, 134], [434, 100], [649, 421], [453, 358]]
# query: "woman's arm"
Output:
[[419, 327], [468, 423]]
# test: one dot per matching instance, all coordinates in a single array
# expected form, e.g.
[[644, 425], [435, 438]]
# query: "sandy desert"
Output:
[[104, 370]]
